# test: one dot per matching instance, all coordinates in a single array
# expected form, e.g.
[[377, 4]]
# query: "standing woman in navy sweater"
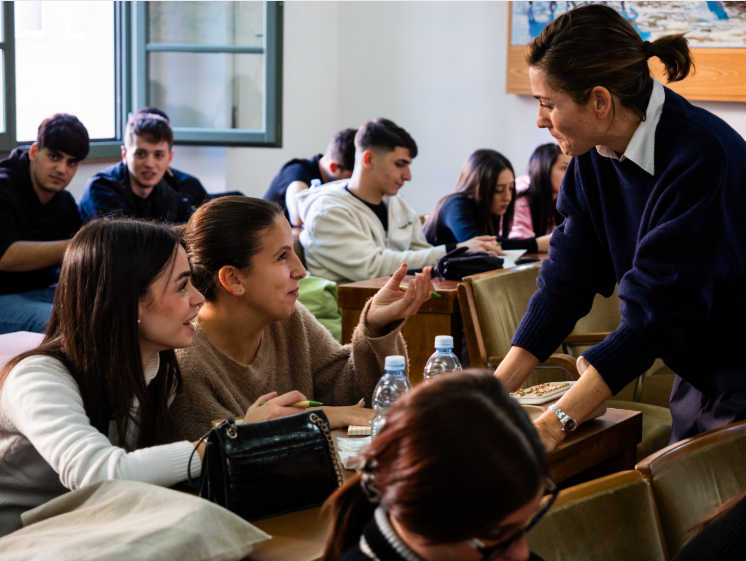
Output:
[[481, 205], [653, 200]]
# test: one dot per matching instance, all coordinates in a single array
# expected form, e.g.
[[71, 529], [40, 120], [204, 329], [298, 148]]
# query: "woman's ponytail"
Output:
[[673, 51]]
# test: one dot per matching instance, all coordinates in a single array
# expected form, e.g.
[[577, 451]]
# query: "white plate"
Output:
[[510, 256], [530, 399]]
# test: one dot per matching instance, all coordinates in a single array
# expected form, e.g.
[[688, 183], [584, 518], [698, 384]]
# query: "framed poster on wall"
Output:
[[716, 32]]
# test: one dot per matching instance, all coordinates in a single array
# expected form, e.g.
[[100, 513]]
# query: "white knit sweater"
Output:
[[344, 241], [48, 445]]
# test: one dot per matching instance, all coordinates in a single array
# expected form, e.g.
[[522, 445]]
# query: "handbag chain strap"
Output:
[[315, 419]]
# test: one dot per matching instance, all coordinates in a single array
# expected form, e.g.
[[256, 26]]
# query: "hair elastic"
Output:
[[649, 49]]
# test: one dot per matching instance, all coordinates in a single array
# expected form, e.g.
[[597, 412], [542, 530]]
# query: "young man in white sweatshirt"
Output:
[[360, 228]]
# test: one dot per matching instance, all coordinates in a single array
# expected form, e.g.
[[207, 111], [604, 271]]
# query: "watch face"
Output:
[[570, 425]]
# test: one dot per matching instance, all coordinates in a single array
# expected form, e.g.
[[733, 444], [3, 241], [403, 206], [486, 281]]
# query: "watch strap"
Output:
[[564, 418]]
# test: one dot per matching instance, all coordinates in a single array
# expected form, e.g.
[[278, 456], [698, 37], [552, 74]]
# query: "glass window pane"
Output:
[[65, 63], [207, 23], [208, 90]]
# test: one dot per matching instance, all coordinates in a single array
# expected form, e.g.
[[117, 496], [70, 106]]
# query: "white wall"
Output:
[[436, 68], [310, 97]]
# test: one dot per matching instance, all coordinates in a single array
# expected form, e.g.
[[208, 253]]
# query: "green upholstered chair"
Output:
[[492, 305], [653, 387], [613, 518], [693, 477], [649, 393]]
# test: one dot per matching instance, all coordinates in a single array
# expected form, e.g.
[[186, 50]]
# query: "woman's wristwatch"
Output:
[[568, 423]]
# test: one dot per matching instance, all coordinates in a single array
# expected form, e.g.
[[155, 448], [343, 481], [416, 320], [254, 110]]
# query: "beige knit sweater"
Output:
[[297, 353]]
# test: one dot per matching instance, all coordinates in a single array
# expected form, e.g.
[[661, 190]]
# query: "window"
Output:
[[65, 63], [214, 67]]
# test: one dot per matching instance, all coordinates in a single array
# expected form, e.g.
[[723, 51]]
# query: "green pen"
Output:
[[301, 404], [432, 294]]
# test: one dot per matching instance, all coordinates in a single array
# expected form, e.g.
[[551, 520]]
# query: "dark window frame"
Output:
[[271, 135]]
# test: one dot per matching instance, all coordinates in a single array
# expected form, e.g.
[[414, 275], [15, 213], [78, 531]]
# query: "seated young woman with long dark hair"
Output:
[[456, 474], [91, 402], [536, 206], [482, 204], [255, 339]]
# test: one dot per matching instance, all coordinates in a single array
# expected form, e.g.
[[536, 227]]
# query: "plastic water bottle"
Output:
[[315, 183], [392, 385], [443, 360]]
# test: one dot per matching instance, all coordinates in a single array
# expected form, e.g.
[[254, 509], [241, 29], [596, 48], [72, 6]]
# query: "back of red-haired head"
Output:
[[455, 457]]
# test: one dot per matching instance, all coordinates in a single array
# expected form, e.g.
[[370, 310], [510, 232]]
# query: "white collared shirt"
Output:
[[641, 148]]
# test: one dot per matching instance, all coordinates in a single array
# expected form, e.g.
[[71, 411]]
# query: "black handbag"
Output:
[[272, 467], [457, 264]]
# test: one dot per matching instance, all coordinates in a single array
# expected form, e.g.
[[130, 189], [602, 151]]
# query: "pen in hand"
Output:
[[301, 404], [432, 294]]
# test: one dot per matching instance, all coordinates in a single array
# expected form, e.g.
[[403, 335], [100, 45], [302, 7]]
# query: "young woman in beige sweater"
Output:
[[255, 343]]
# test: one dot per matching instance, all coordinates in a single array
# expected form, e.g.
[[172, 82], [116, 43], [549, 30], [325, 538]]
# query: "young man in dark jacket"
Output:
[[296, 175], [143, 185], [37, 219]]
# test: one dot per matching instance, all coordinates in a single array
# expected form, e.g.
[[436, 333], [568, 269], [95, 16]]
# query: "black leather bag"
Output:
[[457, 264], [271, 467]]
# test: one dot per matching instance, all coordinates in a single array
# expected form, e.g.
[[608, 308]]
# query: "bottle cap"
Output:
[[394, 361], [315, 183], [444, 342]]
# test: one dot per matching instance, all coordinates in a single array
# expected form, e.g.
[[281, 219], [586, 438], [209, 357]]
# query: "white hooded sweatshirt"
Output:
[[344, 241]]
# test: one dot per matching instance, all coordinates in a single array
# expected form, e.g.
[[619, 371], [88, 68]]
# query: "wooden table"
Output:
[[599, 447], [437, 316]]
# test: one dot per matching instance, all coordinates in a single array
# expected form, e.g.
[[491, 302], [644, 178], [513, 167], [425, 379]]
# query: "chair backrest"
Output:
[[612, 518], [500, 300], [492, 305], [604, 317], [711, 464]]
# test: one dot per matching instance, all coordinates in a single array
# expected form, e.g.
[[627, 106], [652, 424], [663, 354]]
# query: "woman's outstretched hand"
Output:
[[390, 304], [274, 406]]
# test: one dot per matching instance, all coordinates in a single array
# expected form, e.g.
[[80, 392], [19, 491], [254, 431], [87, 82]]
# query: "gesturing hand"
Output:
[[488, 244], [273, 407], [391, 304]]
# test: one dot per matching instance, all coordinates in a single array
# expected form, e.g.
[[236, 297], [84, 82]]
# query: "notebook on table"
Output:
[[354, 430]]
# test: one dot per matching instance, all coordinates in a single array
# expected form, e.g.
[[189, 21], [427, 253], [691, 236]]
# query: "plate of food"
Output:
[[541, 393]]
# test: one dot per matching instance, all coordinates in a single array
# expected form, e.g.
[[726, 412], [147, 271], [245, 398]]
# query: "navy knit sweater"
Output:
[[676, 244]]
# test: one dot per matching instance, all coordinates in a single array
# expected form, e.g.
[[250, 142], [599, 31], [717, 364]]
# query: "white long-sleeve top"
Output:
[[344, 241], [48, 445]]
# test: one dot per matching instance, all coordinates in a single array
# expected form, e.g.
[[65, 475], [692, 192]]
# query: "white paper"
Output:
[[510, 256], [348, 449]]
